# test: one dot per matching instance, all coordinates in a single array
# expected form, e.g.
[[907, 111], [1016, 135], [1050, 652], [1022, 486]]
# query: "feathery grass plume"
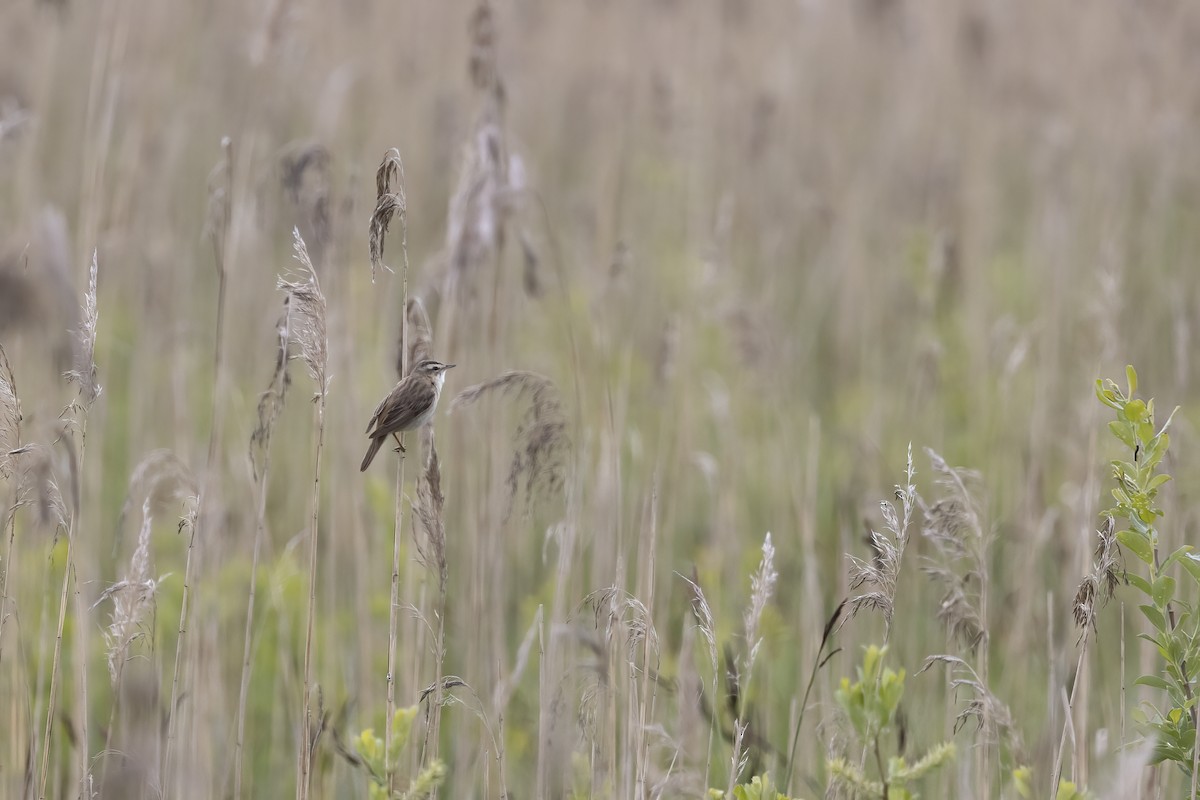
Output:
[[270, 402], [1098, 586], [762, 586], [37, 486], [705, 623], [304, 174], [306, 316], [480, 204], [431, 544], [990, 714], [1095, 590], [420, 338], [541, 437], [881, 573], [84, 373], [390, 200], [10, 417], [159, 478], [952, 525], [132, 598]]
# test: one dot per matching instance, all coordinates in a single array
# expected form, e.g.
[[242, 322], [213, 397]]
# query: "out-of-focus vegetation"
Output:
[[708, 269]]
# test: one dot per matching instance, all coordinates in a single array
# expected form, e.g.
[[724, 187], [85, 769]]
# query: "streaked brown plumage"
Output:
[[408, 406]]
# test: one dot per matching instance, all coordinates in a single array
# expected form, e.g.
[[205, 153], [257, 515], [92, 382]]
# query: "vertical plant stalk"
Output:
[[307, 322], [831, 625], [431, 552], [218, 224], [269, 407], [84, 375], [10, 442], [388, 205]]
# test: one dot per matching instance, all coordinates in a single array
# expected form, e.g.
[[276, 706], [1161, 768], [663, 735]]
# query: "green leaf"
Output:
[[1134, 411], [1164, 590], [1131, 378], [1191, 562], [1137, 544], [1140, 582], [1124, 432], [1153, 681], [1155, 616]]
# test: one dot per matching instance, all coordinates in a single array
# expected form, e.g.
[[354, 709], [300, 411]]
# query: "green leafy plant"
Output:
[[759, 788], [1023, 783], [871, 704], [1175, 625], [374, 758]]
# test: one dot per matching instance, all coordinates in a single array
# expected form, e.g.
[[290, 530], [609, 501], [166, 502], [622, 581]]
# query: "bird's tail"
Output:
[[371, 451]]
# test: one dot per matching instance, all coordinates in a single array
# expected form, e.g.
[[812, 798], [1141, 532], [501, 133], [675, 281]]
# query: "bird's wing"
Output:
[[379, 408], [404, 407]]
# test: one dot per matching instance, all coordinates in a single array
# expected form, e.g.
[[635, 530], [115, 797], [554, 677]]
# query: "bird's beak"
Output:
[[451, 366]]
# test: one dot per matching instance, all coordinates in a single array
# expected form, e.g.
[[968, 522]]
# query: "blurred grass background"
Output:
[[758, 247]]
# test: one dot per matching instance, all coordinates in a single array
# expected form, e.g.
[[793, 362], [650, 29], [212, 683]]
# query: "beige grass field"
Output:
[[707, 268]]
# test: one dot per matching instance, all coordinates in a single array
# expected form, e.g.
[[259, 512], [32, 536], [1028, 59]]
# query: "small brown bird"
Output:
[[408, 406]]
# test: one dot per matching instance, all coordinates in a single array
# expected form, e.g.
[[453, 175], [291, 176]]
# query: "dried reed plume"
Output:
[[431, 524], [10, 417], [431, 553], [305, 176], [84, 373], [762, 586], [159, 478], [133, 600], [541, 437], [270, 402], [419, 334], [1097, 587], [990, 714], [952, 525], [389, 201], [881, 573], [306, 315]]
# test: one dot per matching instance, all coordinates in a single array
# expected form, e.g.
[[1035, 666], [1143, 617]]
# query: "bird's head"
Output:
[[434, 370]]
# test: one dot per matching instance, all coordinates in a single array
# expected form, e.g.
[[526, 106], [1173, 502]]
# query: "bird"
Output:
[[409, 405]]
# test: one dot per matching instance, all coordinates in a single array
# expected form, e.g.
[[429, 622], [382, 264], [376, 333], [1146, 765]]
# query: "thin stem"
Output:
[[394, 611], [62, 616], [812, 677], [879, 764], [220, 251], [306, 744], [1062, 742], [243, 691]]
